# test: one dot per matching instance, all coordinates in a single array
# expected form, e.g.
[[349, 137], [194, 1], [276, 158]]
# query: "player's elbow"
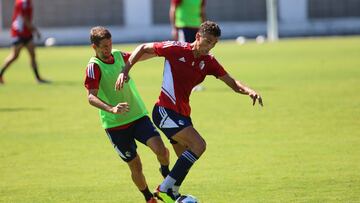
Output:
[[91, 99], [147, 48]]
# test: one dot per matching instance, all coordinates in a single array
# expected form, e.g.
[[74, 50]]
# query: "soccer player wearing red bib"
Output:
[[22, 31], [186, 65], [123, 114]]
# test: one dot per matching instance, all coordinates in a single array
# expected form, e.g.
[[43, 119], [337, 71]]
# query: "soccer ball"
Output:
[[51, 41], [186, 199]]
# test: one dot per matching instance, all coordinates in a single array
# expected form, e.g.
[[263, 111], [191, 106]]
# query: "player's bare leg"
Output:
[[162, 153], [157, 146], [136, 173], [31, 49], [14, 54], [139, 179]]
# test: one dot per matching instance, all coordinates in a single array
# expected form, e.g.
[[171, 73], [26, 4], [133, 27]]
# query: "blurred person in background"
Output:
[[22, 30], [185, 18], [123, 115]]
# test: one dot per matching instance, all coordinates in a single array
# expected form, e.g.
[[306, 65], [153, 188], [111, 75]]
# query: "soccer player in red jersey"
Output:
[[186, 65], [22, 31]]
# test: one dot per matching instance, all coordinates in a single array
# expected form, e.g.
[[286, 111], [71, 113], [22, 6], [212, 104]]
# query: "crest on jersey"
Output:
[[201, 65]]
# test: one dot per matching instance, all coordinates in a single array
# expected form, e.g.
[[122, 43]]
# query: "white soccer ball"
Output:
[[186, 199], [260, 39], [241, 40], [51, 41]]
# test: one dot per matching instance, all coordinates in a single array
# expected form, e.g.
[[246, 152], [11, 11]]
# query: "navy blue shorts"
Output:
[[187, 34], [21, 40], [123, 140], [169, 121]]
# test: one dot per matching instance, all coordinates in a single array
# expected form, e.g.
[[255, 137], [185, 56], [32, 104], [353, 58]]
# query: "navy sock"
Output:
[[164, 170], [147, 194], [180, 180], [183, 165]]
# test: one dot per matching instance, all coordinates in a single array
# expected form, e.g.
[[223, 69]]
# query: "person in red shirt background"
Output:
[[22, 30]]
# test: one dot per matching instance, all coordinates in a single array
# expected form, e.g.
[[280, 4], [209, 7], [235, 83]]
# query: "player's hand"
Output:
[[255, 96], [122, 78], [120, 108]]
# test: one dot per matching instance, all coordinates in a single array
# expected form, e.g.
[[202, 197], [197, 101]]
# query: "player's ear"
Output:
[[197, 36], [93, 46]]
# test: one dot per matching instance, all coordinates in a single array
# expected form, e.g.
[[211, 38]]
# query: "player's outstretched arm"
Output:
[[141, 53], [238, 87], [97, 102]]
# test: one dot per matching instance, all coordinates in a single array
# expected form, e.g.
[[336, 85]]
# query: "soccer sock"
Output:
[[180, 180], [180, 170], [175, 190], [167, 183], [164, 170], [147, 194], [177, 185]]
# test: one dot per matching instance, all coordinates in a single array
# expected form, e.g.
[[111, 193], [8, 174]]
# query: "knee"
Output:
[[161, 151], [199, 147]]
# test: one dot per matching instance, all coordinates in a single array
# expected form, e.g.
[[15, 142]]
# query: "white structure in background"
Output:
[[272, 21], [292, 19]]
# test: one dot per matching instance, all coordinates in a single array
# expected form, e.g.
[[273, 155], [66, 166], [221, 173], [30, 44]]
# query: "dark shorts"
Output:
[[21, 40], [169, 121], [188, 34], [123, 140]]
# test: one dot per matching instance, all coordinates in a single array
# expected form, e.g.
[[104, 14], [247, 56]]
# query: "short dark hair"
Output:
[[99, 33], [209, 27]]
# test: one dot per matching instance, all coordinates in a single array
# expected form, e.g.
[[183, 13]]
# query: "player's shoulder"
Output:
[[92, 66], [210, 57], [174, 44]]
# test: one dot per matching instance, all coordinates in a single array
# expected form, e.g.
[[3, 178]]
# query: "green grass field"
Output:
[[303, 146]]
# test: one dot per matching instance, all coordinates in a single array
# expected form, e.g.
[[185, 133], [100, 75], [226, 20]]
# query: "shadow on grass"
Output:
[[20, 109], [224, 88]]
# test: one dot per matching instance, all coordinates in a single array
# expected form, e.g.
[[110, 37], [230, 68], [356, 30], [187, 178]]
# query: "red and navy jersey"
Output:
[[182, 72], [22, 9], [93, 73]]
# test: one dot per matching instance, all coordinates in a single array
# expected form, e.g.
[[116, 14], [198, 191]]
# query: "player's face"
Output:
[[205, 43], [103, 51]]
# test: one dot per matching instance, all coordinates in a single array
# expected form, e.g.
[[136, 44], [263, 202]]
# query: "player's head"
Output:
[[207, 36], [100, 39]]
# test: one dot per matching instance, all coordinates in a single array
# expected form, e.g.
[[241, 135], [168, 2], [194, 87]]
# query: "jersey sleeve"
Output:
[[159, 48], [92, 77], [216, 69], [125, 56], [168, 48]]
